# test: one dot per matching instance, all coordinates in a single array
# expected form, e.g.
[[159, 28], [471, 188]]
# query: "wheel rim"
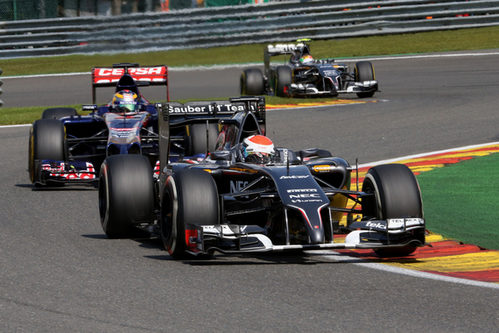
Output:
[[104, 197], [169, 217]]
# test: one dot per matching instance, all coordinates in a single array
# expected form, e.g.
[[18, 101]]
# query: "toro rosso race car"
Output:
[[303, 76], [248, 196], [66, 147]]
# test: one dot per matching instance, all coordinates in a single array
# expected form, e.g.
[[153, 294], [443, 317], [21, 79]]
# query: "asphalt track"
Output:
[[59, 273]]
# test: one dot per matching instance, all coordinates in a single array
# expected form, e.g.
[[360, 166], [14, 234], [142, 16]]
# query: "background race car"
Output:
[[66, 147], [304, 76], [234, 201]]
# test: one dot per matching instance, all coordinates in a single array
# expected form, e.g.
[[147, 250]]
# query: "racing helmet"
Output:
[[306, 59], [258, 149], [125, 100]]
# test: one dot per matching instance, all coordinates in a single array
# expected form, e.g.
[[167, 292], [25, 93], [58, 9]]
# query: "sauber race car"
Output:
[[303, 76], [66, 147], [249, 196]]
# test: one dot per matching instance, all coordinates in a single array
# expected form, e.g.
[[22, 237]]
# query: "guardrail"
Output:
[[234, 25]]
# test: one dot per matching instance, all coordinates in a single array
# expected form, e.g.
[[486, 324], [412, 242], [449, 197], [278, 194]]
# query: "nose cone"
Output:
[[316, 234]]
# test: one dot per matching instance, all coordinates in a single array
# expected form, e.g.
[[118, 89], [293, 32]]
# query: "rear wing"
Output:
[[176, 115], [143, 76], [282, 49]]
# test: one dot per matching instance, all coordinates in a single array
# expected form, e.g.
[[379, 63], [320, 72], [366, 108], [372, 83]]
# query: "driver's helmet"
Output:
[[306, 59], [258, 149], [125, 100]]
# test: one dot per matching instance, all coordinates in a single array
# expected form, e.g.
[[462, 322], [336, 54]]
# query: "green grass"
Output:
[[461, 201], [27, 115], [438, 41]]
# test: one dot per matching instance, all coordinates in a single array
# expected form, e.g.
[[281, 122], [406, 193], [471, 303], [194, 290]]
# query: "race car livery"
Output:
[[303, 76], [231, 203], [67, 147]]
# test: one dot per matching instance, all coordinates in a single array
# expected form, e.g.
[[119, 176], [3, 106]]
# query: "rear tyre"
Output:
[[283, 79], [58, 113], [396, 195], [364, 71], [46, 142], [200, 135], [190, 198], [252, 82], [125, 195]]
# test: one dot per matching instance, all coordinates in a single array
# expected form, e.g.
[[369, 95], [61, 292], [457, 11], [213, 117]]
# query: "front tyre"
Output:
[[396, 194], [46, 142], [125, 194], [364, 71], [190, 198], [58, 113], [283, 79]]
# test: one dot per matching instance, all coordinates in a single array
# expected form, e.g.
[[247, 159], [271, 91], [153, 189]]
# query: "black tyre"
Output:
[[46, 142], [58, 113], [200, 135], [283, 79], [364, 71], [252, 82], [396, 195], [125, 195], [190, 198]]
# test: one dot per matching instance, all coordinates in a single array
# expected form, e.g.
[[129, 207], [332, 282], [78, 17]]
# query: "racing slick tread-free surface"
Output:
[[396, 194], [190, 198], [364, 71], [252, 82], [125, 194], [58, 113], [283, 79], [46, 143]]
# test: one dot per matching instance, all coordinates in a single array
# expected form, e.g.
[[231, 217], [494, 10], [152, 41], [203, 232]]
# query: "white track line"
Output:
[[337, 257], [222, 67]]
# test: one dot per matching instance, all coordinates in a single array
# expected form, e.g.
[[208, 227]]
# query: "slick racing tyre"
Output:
[[364, 71], [252, 82], [283, 79], [190, 198], [125, 194], [58, 113], [203, 137], [46, 142], [396, 195]]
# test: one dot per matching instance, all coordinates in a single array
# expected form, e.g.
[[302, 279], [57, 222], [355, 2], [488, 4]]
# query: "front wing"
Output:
[[229, 239], [67, 172], [300, 89]]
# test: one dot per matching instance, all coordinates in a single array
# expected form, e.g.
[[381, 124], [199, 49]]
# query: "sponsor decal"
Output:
[[304, 195], [284, 47], [322, 168], [295, 177], [132, 71], [148, 74], [122, 132], [376, 225], [210, 108], [302, 190], [395, 223], [238, 185]]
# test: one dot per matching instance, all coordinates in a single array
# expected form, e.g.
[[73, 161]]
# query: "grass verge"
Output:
[[437, 41], [461, 201], [27, 115]]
